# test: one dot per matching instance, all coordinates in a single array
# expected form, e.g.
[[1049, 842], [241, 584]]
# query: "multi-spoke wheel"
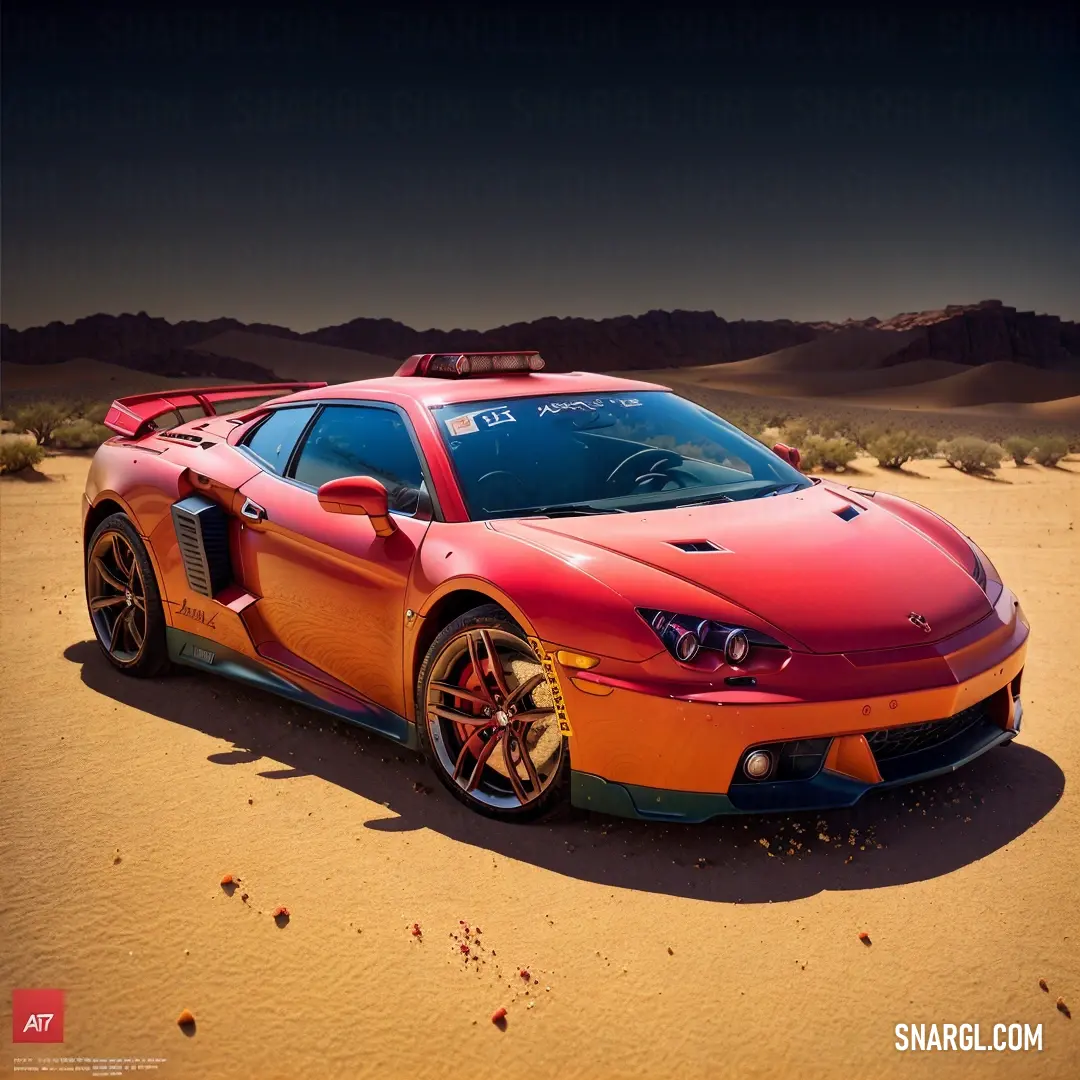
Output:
[[123, 598], [487, 718]]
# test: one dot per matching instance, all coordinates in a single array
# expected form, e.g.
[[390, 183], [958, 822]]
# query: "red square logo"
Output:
[[37, 1016]]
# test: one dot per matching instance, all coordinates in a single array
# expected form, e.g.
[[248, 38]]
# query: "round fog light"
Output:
[[758, 764]]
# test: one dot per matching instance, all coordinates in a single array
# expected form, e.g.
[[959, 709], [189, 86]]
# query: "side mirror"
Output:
[[360, 495], [789, 453]]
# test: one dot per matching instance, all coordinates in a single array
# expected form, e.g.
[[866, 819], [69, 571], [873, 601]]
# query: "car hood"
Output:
[[837, 574]]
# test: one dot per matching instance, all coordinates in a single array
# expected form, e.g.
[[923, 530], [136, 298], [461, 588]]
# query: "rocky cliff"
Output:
[[974, 334]]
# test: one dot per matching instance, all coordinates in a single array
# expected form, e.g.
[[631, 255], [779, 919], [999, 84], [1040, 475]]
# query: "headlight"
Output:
[[684, 636]]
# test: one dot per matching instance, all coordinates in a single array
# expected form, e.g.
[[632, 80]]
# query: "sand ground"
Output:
[[122, 804]]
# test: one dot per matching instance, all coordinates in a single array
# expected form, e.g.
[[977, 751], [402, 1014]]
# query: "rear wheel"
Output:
[[123, 599], [487, 719]]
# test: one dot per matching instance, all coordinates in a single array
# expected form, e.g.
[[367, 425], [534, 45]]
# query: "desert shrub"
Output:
[[1050, 449], [794, 432], [16, 454], [1019, 448], [972, 455], [42, 418], [821, 453], [94, 411], [865, 434], [81, 434], [892, 449], [776, 418]]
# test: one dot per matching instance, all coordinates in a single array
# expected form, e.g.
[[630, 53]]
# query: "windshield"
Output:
[[603, 453]]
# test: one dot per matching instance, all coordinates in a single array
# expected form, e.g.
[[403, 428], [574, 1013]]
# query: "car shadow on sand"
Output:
[[889, 838]]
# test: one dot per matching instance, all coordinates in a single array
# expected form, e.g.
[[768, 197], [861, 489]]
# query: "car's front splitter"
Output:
[[826, 790]]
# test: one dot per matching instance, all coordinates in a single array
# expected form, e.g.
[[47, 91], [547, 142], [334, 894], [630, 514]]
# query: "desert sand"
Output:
[[653, 951]]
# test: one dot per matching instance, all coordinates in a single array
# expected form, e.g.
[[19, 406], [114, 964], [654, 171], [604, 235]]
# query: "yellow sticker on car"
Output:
[[552, 676]]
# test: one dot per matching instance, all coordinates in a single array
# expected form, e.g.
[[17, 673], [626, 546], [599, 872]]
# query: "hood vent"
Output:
[[846, 513], [695, 546]]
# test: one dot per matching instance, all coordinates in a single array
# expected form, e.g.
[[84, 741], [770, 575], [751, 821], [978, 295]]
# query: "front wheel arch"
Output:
[[448, 602], [516, 767]]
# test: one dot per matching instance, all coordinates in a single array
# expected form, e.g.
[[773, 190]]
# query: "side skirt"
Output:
[[195, 651]]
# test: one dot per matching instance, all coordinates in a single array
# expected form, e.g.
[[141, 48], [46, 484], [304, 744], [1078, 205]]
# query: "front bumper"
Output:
[[680, 758], [826, 789]]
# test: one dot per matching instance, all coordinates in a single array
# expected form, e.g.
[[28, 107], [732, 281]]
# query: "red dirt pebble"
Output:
[[416, 931], [524, 974], [864, 937], [1043, 987], [228, 879], [281, 911], [465, 948], [1063, 1008], [186, 1019], [498, 1017]]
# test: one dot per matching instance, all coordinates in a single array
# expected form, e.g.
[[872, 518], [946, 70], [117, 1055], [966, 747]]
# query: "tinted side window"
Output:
[[355, 440], [273, 440]]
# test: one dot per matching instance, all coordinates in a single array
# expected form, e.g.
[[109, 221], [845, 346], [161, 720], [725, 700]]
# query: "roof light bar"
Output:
[[462, 365]]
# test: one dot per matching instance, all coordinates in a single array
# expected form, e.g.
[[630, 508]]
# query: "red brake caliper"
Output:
[[470, 680]]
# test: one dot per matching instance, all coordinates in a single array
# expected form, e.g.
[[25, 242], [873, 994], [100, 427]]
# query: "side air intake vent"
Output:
[[202, 533], [696, 545]]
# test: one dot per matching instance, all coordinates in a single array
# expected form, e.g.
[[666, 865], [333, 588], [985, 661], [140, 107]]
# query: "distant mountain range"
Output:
[[975, 334]]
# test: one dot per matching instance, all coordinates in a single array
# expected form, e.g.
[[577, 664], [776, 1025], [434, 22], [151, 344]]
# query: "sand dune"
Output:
[[851, 349], [124, 801], [293, 359], [1003, 381], [1063, 410], [99, 380], [861, 365], [92, 379], [818, 384]]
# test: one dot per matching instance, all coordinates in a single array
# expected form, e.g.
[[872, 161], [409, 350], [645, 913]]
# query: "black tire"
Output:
[[121, 589], [544, 788]]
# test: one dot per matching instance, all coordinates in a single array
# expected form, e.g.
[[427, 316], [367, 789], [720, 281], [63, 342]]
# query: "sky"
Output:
[[453, 166]]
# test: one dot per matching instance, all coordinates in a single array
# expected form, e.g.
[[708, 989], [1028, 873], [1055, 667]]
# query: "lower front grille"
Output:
[[895, 742]]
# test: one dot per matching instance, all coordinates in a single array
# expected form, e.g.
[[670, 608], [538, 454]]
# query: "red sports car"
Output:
[[555, 586]]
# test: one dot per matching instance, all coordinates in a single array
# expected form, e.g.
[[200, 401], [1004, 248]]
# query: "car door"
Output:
[[331, 592]]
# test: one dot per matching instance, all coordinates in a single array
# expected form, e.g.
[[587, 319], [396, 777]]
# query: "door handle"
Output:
[[252, 511]]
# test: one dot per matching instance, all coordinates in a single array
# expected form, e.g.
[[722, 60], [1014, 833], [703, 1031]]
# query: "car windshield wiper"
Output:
[[776, 489], [568, 510], [704, 500]]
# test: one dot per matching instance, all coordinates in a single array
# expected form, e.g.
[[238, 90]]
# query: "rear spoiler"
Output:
[[135, 415]]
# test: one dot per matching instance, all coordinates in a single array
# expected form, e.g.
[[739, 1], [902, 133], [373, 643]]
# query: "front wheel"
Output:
[[487, 719], [123, 600]]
